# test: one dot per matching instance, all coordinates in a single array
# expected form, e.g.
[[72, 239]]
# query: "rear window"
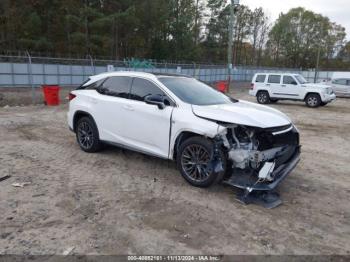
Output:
[[260, 78], [274, 79], [117, 86]]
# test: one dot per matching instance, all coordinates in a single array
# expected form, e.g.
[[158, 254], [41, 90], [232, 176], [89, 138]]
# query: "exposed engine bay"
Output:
[[259, 158]]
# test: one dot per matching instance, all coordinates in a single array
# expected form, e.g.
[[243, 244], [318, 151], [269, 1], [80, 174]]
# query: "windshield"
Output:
[[194, 92], [300, 79]]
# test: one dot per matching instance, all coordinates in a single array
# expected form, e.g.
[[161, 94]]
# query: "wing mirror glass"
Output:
[[157, 100], [294, 83]]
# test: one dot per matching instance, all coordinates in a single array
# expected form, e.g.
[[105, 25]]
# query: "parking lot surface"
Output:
[[122, 202]]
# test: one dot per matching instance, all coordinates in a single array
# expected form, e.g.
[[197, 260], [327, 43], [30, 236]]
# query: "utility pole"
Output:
[[318, 55], [233, 4], [317, 63]]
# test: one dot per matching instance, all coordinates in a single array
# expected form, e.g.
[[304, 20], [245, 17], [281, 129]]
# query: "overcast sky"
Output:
[[337, 10]]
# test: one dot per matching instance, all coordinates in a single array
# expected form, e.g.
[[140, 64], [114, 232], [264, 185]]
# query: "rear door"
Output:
[[109, 107], [274, 85], [147, 127]]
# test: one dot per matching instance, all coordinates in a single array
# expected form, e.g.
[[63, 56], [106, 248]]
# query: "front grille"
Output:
[[267, 140]]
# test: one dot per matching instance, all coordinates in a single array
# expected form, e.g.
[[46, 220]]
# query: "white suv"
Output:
[[211, 136], [269, 88]]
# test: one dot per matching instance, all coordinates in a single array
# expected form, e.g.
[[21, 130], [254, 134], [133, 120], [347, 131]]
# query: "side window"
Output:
[[288, 80], [142, 88], [94, 85], [260, 79], [117, 86], [339, 81], [274, 79]]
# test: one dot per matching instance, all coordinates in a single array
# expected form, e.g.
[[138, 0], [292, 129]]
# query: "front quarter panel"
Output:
[[183, 120]]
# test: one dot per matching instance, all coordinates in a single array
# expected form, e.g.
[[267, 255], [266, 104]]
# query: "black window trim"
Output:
[[283, 76], [267, 81], [105, 79], [157, 85], [261, 74]]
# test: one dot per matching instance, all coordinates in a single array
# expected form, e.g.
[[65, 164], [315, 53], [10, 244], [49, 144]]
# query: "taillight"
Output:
[[252, 86], [71, 96]]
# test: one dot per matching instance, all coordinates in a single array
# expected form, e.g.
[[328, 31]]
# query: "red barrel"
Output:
[[51, 94], [221, 86]]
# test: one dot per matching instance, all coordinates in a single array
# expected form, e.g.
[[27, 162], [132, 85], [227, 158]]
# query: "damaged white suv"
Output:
[[212, 137]]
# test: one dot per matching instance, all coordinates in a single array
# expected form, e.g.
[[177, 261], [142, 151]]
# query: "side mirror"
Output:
[[157, 100], [102, 90], [294, 83]]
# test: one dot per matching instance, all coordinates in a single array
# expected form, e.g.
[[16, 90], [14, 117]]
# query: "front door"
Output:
[[290, 87], [147, 127]]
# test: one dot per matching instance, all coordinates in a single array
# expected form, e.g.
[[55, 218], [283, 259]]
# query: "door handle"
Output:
[[283, 85], [128, 107], [267, 84]]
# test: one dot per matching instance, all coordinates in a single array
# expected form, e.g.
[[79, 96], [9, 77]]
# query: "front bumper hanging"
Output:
[[263, 193]]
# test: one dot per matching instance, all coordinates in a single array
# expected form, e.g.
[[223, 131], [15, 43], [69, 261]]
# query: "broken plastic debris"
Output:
[[68, 251], [21, 184]]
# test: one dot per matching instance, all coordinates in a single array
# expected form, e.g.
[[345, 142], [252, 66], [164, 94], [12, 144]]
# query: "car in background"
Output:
[[340, 86], [271, 87]]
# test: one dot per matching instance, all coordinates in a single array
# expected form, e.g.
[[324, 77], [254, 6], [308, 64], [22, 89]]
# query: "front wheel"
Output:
[[313, 100], [193, 159], [263, 97], [323, 104]]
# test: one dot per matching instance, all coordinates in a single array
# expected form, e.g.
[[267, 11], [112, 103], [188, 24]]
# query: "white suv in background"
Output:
[[271, 87]]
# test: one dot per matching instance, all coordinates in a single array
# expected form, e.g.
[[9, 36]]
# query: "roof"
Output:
[[153, 76]]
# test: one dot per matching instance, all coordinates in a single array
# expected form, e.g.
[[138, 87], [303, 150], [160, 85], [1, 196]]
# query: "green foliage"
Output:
[[299, 35], [176, 30]]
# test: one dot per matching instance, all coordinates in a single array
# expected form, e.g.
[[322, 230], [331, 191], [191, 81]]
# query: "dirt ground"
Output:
[[121, 202]]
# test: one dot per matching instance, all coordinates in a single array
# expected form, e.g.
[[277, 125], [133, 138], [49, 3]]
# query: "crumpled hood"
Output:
[[243, 113]]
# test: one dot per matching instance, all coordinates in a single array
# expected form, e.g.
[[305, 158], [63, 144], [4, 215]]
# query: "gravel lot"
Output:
[[121, 202]]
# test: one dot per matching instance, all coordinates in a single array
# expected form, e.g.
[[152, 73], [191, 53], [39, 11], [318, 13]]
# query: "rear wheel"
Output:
[[263, 97], [87, 135], [313, 100], [273, 100], [193, 159]]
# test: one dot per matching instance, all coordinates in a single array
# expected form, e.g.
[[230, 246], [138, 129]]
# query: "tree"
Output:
[[297, 36]]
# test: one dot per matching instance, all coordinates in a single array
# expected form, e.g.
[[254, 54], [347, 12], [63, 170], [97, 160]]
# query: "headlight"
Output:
[[327, 90]]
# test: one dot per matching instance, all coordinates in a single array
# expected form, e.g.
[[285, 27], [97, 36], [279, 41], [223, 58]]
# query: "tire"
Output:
[[273, 100], [193, 150], [87, 135], [323, 104], [313, 100], [263, 97]]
